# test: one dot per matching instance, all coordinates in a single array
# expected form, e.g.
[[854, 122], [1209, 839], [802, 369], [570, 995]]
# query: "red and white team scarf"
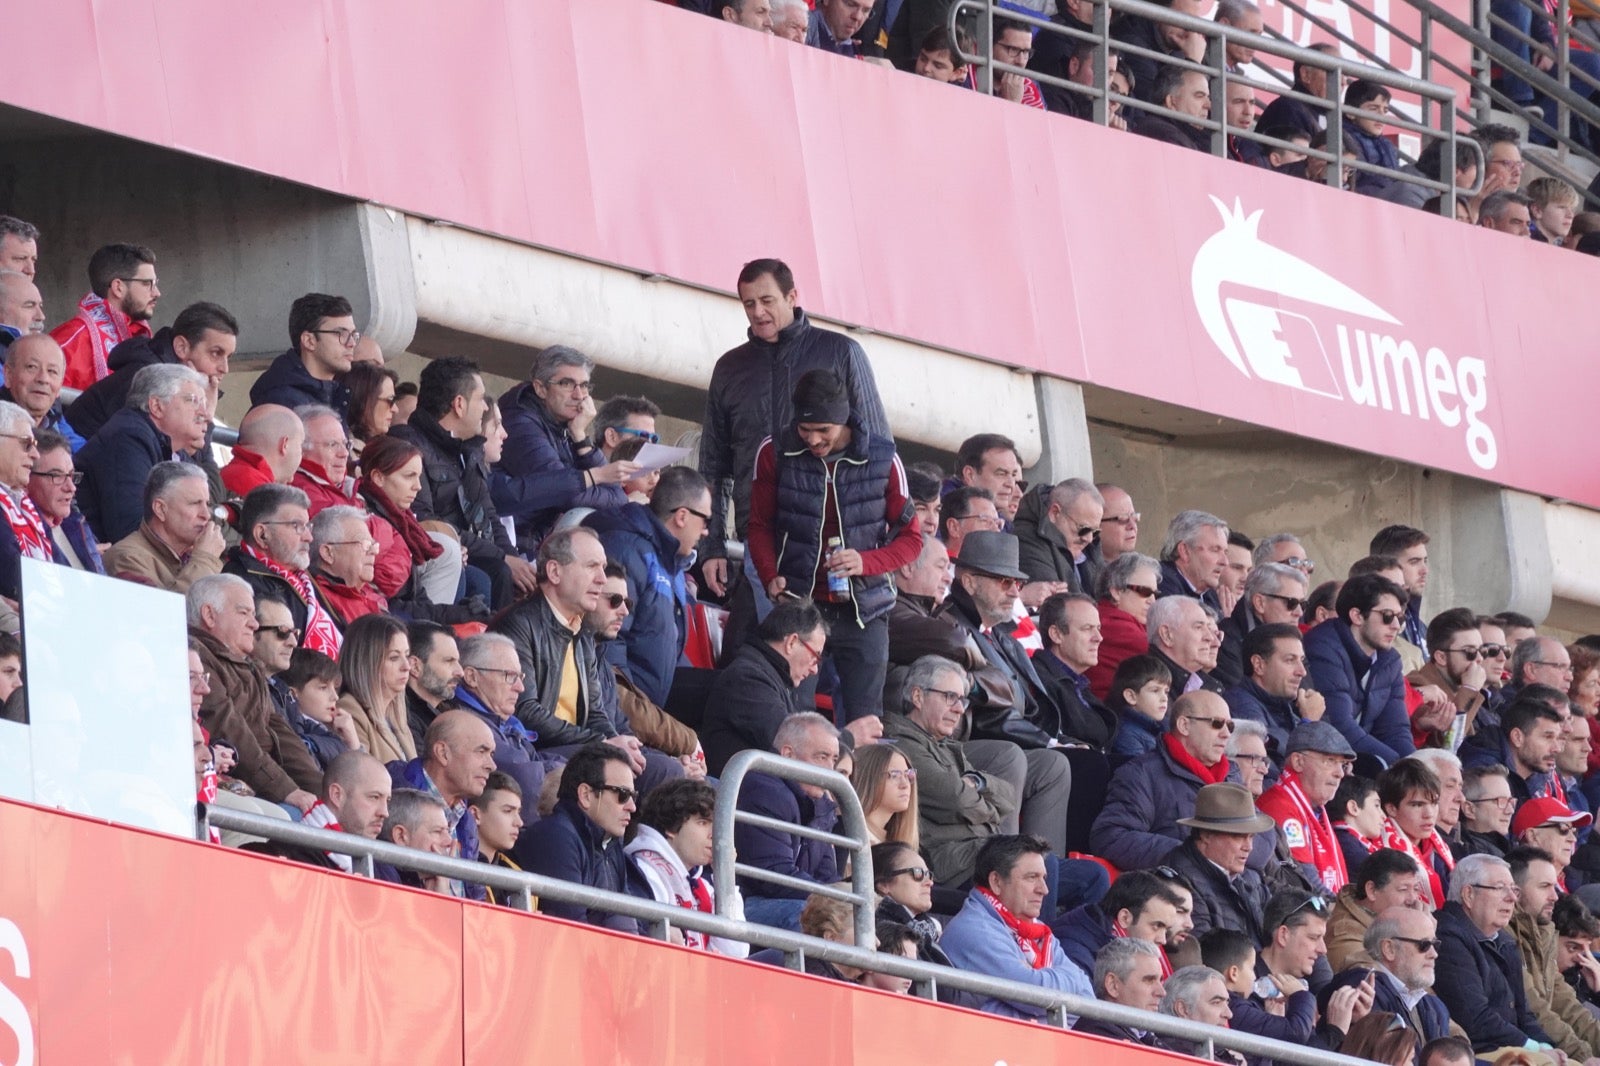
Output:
[[33, 538], [108, 328], [1309, 827], [693, 895], [1033, 937], [321, 633], [321, 816], [208, 795], [1433, 846]]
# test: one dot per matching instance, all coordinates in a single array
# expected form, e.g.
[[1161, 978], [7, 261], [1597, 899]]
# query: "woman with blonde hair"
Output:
[[1382, 1037], [376, 663], [887, 787]]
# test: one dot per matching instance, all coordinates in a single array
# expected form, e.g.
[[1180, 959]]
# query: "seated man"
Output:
[[1486, 812], [1139, 904], [655, 545], [672, 849], [1227, 894], [1573, 1029], [456, 758], [1126, 972], [121, 301], [435, 671], [1274, 692], [581, 840], [1195, 553], [1198, 994], [491, 683], [752, 697], [322, 339], [1069, 624], [177, 543], [273, 553], [831, 518], [1180, 631], [1401, 947], [342, 555], [806, 737], [1485, 992], [960, 806], [497, 814], [53, 490], [1409, 793], [1273, 593], [1454, 667], [998, 931], [1386, 880], [1187, 92], [1055, 527], [654, 727], [166, 418], [356, 790], [324, 468], [1526, 742], [1552, 827], [270, 442], [272, 759], [418, 821], [1354, 665], [1317, 759], [34, 367]]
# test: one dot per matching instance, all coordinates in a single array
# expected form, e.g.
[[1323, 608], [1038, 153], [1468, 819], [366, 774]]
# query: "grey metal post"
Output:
[[1427, 61], [1563, 64], [1334, 90], [986, 49], [1102, 29]]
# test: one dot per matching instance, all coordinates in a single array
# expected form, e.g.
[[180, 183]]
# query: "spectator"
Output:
[[1273, 693], [1055, 528], [1180, 631], [372, 401], [904, 885], [1447, 768], [1307, 118], [998, 931], [1432, 163], [453, 765], [23, 534], [166, 418], [916, 628], [1070, 626], [1453, 666], [1537, 660], [968, 509], [34, 366], [989, 461], [1409, 547], [1552, 827], [271, 439], [273, 555], [1366, 134], [356, 790], [1139, 904], [1386, 880], [419, 821], [1241, 15], [1572, 761], [886, 784], [325, 459], [1485, 993], [1198, 994], [1403, 946], [622, 699], [1526, 743], [1357, 819], [672, 848], [1508, 212], [655, 545], [1127, 972], [376, 666], [1496, 652], [1576, 931], [21, 307], [790, 20], [53, 486], [322, 340], [1354, 665], [177, 543], [939, 56], [489, 689], [550, 464], [1140, 691], [829, 919], [310, 687], [1553, 204], [433, 672], [342, 555], [405, 402], [1163, 39], [1013, 45], [413, 566], [1119, 527], [1188, 93], [19, 246], [1486, 811], [496, 813], [805, 737], [1317, 757], [1446, 1051], [1409, 792], [581, 841], [1572, 1029], [623, 418], [752, 15], [834, 26], [455, 486], [1273, 593], [961, 806], [925, 481], [1127, 589], [1193, 557], [1073, 60], [1227, 894], [122, 297], [1231, 587], [272, 759]]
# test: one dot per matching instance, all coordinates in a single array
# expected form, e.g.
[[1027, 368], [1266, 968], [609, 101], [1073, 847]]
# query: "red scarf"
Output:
[[108, 327], [321, 632], [423, 547], [1309, 828], [1034, 938], [1208, 775], [1161, 949], [33, 539], [1425, 854]]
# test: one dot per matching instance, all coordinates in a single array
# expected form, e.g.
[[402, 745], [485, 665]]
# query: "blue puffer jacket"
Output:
[[288, 382], [567, 845], [1083, 931], [779, 852], [539, 475], [1371, 715], [653, 633], [1136, 733]]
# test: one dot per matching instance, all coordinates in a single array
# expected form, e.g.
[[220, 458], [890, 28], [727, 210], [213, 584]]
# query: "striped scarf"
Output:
[[108, 328], [33, 539], [321, 632]]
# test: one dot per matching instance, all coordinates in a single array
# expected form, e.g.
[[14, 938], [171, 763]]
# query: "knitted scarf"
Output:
[[1208, 775], [108, 328], [1034, 938], [1316, 833], [321, 632], [423, 547], [321, 816], [33, 539], [1161, 949], [1433, 846]]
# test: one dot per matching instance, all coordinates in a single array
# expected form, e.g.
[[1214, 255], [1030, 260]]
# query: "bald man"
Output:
[[455, 761], [35, 368], [21, 307], [271, 439]]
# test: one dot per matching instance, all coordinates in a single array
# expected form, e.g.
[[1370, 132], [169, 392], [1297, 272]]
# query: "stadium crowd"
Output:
[[484, 628]]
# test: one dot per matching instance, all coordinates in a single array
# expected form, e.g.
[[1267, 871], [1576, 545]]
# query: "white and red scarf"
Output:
[[108, 328], [690, 893], [321, 816], [321, 634], [27, 525], [1309, 828], [1033, 937], [1433, 846]]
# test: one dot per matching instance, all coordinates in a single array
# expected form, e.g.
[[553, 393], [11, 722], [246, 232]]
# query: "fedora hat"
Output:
[[993, 553], [1227, 808]]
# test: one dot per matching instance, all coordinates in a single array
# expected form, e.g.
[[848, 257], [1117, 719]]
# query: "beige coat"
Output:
[[386, 735]]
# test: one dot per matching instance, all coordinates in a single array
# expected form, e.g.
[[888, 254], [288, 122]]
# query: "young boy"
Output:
[[497, 812], [672, 845], [1555, 205], [1365, 135], [937, 59], [308, 692], [1357, 819], [1139, 693]]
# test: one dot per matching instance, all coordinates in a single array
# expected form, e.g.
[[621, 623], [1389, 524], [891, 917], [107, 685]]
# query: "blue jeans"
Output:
[[778, 913], [1520, 18]]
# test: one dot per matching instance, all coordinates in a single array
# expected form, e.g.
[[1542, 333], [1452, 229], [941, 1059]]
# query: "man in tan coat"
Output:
[[1573, 1028], [177, 543]]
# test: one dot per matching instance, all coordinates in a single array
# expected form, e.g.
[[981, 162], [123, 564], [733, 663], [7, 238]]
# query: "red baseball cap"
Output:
[[1544, 811]]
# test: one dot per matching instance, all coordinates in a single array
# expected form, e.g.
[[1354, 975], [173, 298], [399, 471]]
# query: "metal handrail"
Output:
[[927, 977], [1336, 64], [724, 861]]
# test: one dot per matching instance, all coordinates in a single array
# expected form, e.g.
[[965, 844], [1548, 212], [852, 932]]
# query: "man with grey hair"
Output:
[[21, 307], [491, 683], [167, 417], [343, 552], [324, 468], [24, 532], [1198, 994], [1193, 557], [177, 543], [1508, 212], [19, 246], [1180, 633], [550, 463], [271, 439], [1273, 593], [1401, 942], [420, 821], [1127, 972], [1538, 661], [790, 19], [1055, 526], [274, 556], [273, 760], [1283, 548]]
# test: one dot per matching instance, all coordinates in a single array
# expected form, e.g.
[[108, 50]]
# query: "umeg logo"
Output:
[[1241, 288]]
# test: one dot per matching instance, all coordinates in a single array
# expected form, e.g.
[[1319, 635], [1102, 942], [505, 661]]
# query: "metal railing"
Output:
[[661, 918], [1218, 74], [724, 862]]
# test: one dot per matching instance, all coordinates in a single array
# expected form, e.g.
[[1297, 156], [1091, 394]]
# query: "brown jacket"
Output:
[[273, 759], [387, 738], [143, 557], [1347, 926], [654, 727], [1467, 700], [1573, 1028]]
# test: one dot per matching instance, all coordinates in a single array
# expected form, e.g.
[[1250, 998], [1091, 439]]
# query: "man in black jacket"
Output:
[[1273, 592], [1181, 633], [447, 427], [754, 694], [1127, 972], [322, 339], [1227, 893]]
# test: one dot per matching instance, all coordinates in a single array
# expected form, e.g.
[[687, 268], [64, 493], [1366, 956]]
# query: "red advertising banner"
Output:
[[129, 947], [670, 143]]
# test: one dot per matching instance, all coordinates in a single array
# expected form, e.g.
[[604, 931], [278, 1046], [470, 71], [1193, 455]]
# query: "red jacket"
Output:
[[1122, 636], [347, 602], [313, 481], [244, 472], [87, 338]]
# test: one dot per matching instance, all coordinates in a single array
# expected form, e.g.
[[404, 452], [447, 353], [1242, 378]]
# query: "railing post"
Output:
[[1427, 62], [1563, 40], [1219, 136], [986, 49], [1102, 29], [1334, 91], [1447, 159]]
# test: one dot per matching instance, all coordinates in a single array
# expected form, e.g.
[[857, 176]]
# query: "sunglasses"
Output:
[[624, 794], [1141, 590], [1493, 651], [918, 874], [281, 632], [1294, 603], [1421, 943], [1221, 725], [643, 434], [1388, 617], [617, 599]]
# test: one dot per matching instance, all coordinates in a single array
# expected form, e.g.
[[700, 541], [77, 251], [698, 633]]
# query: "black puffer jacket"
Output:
[[542, 641], [455, 488], [289, 383], [106, 397]]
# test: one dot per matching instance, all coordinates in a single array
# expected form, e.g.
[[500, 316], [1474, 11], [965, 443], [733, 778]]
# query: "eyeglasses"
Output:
[[1221, 725], [1470, 654], [1129, 519], [643, 434], [281, 632], [347, 337], [334, 445], [152, 282], [1013, 583], [1017, 53], [366, 545], [1505, 890], [1504, 803], [617, 599], [1253, 760], [1388, 617], [918, 874], [1565, 668], [698, 514], [988, 519], [816, 653], [1493, 651], [624, 794], [298, 525], [1294, 603], [1421, 943], [1305, 566], [901, 775], [572, 385], [202, 677], [1144, 591], [30, 443], [510, 677], [960, 699], [55, 477]]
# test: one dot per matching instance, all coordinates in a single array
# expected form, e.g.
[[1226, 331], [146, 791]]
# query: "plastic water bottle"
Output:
[[838, 584]]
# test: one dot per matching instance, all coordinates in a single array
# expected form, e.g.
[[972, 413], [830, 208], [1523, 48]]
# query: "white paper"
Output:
[[657, 456]]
